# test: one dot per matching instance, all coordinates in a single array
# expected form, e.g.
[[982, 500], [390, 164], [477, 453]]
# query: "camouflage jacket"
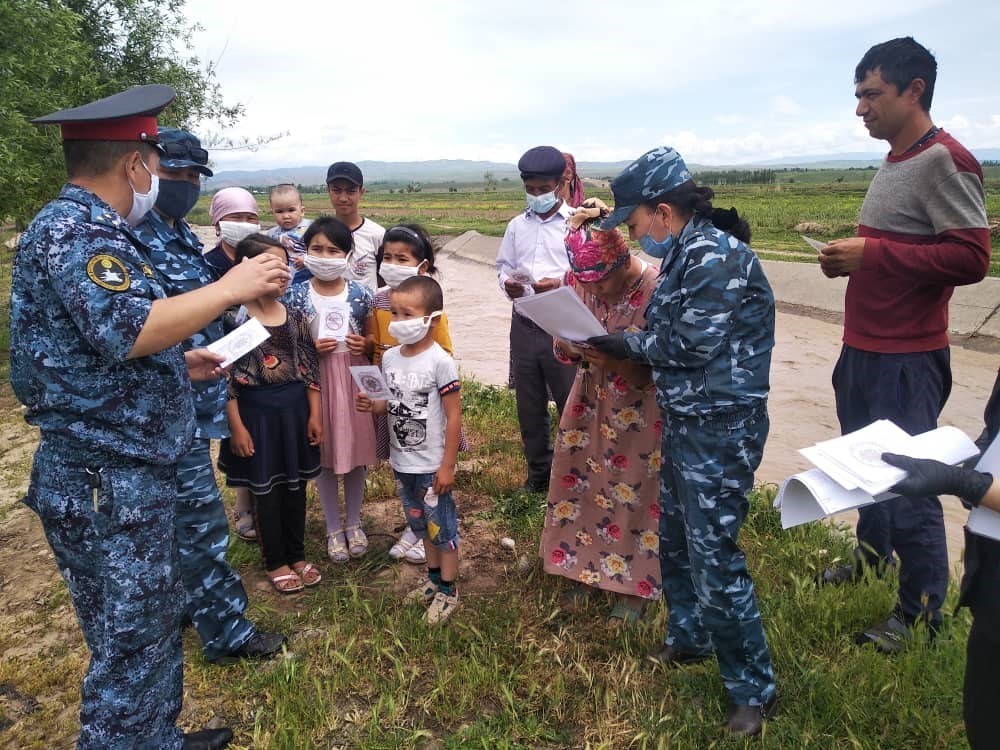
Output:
[[175, 254], [81, 291], [709, 325]]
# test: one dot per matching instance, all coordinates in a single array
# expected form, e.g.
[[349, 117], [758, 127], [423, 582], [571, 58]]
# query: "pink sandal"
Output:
[[288, 583], [308, 573]]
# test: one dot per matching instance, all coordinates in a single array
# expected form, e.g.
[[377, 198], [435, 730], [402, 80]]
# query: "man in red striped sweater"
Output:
[[921, 232]]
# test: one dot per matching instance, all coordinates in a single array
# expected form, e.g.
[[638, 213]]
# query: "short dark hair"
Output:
[[284, 188], [416, 237], [333, 229], [94, 158], [426, 288], [900, 62], [254, 245]]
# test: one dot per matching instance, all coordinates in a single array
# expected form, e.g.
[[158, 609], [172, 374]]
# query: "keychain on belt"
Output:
[[94, 480]]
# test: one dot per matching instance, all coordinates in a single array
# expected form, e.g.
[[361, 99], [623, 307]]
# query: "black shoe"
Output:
[[839, 575], [669, 658], [889, 636], [541, 487], [747, 721], [260, 646], [207, 739]]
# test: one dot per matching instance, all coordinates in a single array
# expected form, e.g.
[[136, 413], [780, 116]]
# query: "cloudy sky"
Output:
[[723, 81]]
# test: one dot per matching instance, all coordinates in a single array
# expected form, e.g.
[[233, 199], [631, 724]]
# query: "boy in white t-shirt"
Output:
[[425, 424], [345, 185]]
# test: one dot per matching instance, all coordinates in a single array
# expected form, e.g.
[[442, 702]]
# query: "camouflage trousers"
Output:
[[708, 469], [216, 599], [116, 552]]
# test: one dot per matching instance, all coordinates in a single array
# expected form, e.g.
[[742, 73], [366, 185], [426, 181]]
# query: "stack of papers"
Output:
[[983, 521], [560, 313], [850, 472]]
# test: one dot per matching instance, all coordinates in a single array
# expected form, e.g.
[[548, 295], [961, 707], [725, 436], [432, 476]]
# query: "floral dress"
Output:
[[601, 525]]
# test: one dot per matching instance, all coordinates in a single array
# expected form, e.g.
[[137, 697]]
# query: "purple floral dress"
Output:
[[601, 526]]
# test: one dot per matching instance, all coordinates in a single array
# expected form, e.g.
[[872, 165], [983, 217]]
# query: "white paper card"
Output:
[[813, 495], [369, 380], [235, 344], [560, 313], [522, 276], [334, 321], [815, 244]]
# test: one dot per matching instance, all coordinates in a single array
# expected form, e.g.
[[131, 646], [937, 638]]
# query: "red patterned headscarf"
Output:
[[574, 185], [594, 254]]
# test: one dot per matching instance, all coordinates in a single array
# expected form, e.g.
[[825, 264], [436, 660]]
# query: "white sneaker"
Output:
[[416, 555], [403, 545], [422, 594], [441, 607]]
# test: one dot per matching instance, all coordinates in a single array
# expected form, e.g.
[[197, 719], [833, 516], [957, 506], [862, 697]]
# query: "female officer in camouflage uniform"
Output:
[[709, 334]]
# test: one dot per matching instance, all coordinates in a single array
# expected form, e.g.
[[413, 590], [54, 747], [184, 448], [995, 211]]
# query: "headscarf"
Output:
[[593, 254], [232, 200], [574, 186]]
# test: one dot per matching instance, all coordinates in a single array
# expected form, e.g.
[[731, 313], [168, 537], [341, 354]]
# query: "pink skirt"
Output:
[[348, 434]]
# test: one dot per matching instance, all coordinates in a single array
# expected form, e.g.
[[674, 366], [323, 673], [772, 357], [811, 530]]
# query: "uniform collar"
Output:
[[100, 211], [180, 231]]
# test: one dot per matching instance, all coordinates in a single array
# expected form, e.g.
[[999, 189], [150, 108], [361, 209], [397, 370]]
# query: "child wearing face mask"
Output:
[[425, 420], [349, 447], [406, 251], [275, 428]]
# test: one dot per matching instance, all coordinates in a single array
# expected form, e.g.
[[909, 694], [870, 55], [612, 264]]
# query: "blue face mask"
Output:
[[177, 197], [654, 248], [541, 204]]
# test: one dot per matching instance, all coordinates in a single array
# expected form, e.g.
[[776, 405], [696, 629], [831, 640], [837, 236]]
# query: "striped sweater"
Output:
[[925, 229]]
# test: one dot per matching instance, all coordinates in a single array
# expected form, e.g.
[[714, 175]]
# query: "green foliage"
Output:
[[63, 54], [34, 81]]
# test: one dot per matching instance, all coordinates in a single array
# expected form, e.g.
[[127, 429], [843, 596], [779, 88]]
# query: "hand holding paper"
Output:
[[561, 314], [237, 343]]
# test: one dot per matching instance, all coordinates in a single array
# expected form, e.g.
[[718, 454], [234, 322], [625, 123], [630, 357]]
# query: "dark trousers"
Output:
[[910, 390], [982, 689], [537, 373], [280, 518], [216, 599]]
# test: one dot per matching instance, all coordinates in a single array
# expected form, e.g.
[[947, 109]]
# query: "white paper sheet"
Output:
[[334, 321], [985, 521], [560, 313], [814, 244], [813, 495], [370, 381], [235, 344]]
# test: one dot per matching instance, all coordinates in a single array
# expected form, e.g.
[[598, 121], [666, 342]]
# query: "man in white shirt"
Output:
[[532, 259], [345, 185]]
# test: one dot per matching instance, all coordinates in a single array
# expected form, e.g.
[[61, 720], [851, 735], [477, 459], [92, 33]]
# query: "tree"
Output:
[[58, 54], [490, 180]]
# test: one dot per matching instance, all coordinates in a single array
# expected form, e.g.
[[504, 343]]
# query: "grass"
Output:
[[829, 198], [511, 671]]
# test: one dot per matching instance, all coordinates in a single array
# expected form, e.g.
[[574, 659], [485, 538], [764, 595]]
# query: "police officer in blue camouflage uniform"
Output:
[[216, 599], [710, 331], [94, 358]]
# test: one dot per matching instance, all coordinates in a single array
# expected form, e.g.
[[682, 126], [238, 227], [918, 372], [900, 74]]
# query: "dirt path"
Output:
[[801, 405]]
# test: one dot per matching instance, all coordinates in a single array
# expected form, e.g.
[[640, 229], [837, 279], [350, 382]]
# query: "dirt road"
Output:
[[801, 404]]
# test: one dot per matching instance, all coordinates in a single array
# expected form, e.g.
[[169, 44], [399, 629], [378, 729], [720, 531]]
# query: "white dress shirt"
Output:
[[538, 245]]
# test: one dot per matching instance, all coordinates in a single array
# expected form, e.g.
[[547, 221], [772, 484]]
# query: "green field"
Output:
[[829, 198]]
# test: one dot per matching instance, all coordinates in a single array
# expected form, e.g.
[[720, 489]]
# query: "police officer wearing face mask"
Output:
[[95, 358], [216, 599]]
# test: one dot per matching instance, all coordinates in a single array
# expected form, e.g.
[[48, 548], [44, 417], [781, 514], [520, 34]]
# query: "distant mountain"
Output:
[[464, 170], [437, 171]]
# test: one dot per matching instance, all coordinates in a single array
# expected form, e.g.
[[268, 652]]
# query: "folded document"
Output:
[[850, 472]]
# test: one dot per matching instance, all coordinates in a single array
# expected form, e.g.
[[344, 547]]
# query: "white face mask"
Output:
[[394, 274], [413, 330], [325, 269], [233, 232], [142, 203]]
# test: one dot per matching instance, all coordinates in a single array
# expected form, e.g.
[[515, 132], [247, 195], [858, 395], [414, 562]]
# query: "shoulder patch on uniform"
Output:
[[147, 270], [108, 273]]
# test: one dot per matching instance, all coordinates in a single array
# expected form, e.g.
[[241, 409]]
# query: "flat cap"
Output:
[[126, 116], [542, 161]]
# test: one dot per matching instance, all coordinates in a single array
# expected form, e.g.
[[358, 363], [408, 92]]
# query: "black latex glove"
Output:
[[928, 477], [613, 345]]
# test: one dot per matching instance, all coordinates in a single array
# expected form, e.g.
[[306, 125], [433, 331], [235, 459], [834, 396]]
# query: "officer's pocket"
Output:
[[141, 578], [64, 503]]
